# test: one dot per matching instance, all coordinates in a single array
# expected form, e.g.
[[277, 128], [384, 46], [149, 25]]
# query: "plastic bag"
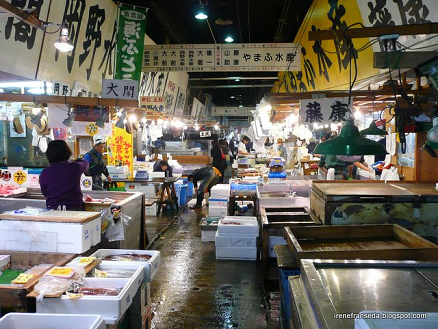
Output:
[[390, 174], [53, 285], [115, 232], [112, 221], [331, 174], [27, 211]]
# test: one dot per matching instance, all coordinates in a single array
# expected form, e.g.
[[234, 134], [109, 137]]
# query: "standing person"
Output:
[[226, 149], [332, 161], [242, 150], [97, 167], [163, 166], [232, 146], [219, 159], [312, 145], [209, 177], [281, 148], [61, 182]]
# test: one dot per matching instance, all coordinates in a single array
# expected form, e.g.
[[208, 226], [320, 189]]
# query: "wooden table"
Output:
[[167, 194], [309, 163]]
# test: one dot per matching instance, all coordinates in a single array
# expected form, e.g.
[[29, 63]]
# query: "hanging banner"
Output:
[[323, 111], [21, 43], [132, 26], [222, 57], [122, 152], [119, 89], [92, 30]]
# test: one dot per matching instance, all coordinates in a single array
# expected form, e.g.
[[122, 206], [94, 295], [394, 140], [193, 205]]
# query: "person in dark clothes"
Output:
[[312, 145], [382, 156], [232, 146], [226, 149], [209, 177], [61, 182], [97, 167], [219, 159], [163, 166]]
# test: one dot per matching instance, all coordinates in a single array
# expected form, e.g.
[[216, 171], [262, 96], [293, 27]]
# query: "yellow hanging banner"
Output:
[[121, 146], [325, 65]]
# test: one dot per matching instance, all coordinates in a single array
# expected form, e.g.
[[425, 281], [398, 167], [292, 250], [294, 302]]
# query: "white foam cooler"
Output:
[[111, 308], [48, 321], [236, 253], [235, 240], [150, 266], [217, 211], [244, 225], [218, 202], [221, 191]]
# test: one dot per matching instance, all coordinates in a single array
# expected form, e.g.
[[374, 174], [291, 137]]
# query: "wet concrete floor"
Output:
[[194, 290]]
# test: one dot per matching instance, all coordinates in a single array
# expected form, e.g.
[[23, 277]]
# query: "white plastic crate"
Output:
[[111, 308], [57, 237], [150, 266], [217, 211], [207, 236], [431, 321], [221, 191], [51, 321], [246, 225], [275, 241], [235, 240], [236, 253], [218, 202]]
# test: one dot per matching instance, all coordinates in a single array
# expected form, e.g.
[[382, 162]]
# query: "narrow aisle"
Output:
[[193, 290]]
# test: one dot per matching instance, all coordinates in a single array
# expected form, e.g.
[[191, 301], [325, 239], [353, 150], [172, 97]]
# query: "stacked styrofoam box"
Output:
[[218, 201], [275, 241], [111, 308], [236, 238], [44, 321], [75, 238]]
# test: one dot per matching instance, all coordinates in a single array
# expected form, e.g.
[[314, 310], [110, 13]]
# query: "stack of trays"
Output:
[[236, 238]]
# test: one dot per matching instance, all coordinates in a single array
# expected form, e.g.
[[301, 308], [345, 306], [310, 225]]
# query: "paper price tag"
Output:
[[73, 296], [23, 278], [84, 261], [100, 274], [65, 272]]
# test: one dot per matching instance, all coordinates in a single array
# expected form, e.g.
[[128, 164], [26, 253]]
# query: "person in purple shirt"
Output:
[[60, 183]]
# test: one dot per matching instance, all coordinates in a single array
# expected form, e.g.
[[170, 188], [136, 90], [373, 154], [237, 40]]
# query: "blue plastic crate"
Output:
[[277, 174], [286, 306]]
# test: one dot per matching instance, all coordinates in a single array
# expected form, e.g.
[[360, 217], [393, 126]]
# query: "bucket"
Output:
[[182, 200], [190, 189]]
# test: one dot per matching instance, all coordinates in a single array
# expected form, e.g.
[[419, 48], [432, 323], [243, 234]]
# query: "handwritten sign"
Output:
[[121, 144]]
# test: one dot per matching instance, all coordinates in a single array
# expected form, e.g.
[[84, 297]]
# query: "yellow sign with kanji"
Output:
[[20, 177], [121, 145], [92, 129]]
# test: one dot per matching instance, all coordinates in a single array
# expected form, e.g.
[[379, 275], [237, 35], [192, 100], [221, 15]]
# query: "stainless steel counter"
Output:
[[342, 287]]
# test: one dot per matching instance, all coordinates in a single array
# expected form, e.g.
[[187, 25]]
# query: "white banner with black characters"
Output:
[[222, 57], [20, 43], [120, 89], [323, 110]]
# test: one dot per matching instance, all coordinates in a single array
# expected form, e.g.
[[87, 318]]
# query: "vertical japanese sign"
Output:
[[93, 32], [324, 111], [122, 152], [132, 25]]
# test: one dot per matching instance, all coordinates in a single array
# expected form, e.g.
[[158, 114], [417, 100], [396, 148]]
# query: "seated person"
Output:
[[209, 177], [163, 166]]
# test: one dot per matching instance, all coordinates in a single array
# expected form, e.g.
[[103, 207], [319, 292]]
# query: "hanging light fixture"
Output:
[[432, 134], [229, 39], [36, 120], [102, 119], [350, 142], [68, 122], [201, 15], [373, 130], [63, 43], [122, 120]]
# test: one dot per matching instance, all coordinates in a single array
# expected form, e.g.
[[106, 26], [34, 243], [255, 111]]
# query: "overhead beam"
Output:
[[374, 32], [90, 101], [283, 98], [234, 78], [232, 86], [406, 59], [20, 14]]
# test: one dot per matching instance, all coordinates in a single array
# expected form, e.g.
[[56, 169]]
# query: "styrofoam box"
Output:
[[216, 202], [48, 321], [49, 236], [275, 241], [431, 321], [156, 175], [235, 240], [220, 191], [111, 308], [217, 211], [236, 253], [247, 225], [151, 210], [207, 236], [150, 267], [151, 189]]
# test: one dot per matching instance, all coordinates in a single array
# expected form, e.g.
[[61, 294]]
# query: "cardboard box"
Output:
[[141, 301], [143, 321], [5, 262]]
